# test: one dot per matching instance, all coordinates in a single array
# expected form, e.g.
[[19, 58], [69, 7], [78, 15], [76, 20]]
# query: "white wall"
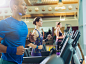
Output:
[[53, 24]]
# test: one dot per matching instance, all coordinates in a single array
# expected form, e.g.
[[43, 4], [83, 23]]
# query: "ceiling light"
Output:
[[43, 9], [50, 8], [29, 9], [36, 9], [63, 8], [56, 8], [62, 18], [70, 7], [76, 7]]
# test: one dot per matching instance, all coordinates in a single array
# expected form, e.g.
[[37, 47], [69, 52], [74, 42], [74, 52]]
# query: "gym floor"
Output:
[[84, 62]]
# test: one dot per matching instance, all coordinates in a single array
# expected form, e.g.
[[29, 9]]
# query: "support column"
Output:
[[82, 25]]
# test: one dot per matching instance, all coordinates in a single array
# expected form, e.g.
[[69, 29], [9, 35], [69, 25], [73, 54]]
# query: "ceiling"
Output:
[[48, 2], [47, 6], [32, 5]]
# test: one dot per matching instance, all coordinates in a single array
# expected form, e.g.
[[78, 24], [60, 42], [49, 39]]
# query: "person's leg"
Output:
[[57, 48], [57, 45], [0, 61], [6, 62]]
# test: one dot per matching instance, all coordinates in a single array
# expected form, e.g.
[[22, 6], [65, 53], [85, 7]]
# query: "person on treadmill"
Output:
[[37, 36], [13, 33], [59, 37], [36, 51]]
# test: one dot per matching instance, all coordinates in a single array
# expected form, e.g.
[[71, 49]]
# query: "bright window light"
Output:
[[62, 19], [2, 2]]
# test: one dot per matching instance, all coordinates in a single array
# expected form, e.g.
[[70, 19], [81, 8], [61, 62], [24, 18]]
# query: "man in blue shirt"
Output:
[[13, 33]]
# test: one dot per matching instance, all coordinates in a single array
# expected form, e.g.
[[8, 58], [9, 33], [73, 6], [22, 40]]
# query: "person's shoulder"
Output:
[[23, 22], [57, 28], [5, 21], [2, 21], [8, 19], [35, 31]]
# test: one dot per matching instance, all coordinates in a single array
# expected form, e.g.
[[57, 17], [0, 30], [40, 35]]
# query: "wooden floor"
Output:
[[84, 62]]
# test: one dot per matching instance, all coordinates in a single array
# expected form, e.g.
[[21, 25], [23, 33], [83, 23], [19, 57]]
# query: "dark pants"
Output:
[[57, 46], [58, 43], [6, 62]]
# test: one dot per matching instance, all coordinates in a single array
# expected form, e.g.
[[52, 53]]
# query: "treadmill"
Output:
[[67, 51]]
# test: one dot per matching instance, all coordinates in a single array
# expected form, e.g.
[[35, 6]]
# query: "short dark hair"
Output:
[[36, 20], [12, 2]]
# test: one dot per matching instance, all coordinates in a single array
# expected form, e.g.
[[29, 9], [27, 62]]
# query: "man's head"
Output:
[[18, 7]]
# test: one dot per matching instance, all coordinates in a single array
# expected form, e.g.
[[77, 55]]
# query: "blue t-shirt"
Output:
[[14, 34]]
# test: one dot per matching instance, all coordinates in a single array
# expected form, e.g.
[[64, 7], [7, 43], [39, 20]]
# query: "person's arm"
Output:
[[48, 38], [57, 34], [35, 33], [2, 47], [8, 49], [19, 50], [43, 34]]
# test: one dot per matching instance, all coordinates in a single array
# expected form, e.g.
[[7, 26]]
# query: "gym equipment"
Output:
[[77, 58], [35, 59], [68, 51], [74, 42], [67, 29], [52, 60], [27, 52]]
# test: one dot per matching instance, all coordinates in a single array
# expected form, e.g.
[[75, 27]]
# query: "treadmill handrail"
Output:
[[64, 45]]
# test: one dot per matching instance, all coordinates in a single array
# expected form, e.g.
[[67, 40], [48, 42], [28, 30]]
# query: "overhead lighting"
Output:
[[70, 7], [33, 2], [50, 8], [63, 8], [56, 8], [70, 1], [62, 18], [29, 9], [76, 7], [43, 9], [2, 2], [36, 9]]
